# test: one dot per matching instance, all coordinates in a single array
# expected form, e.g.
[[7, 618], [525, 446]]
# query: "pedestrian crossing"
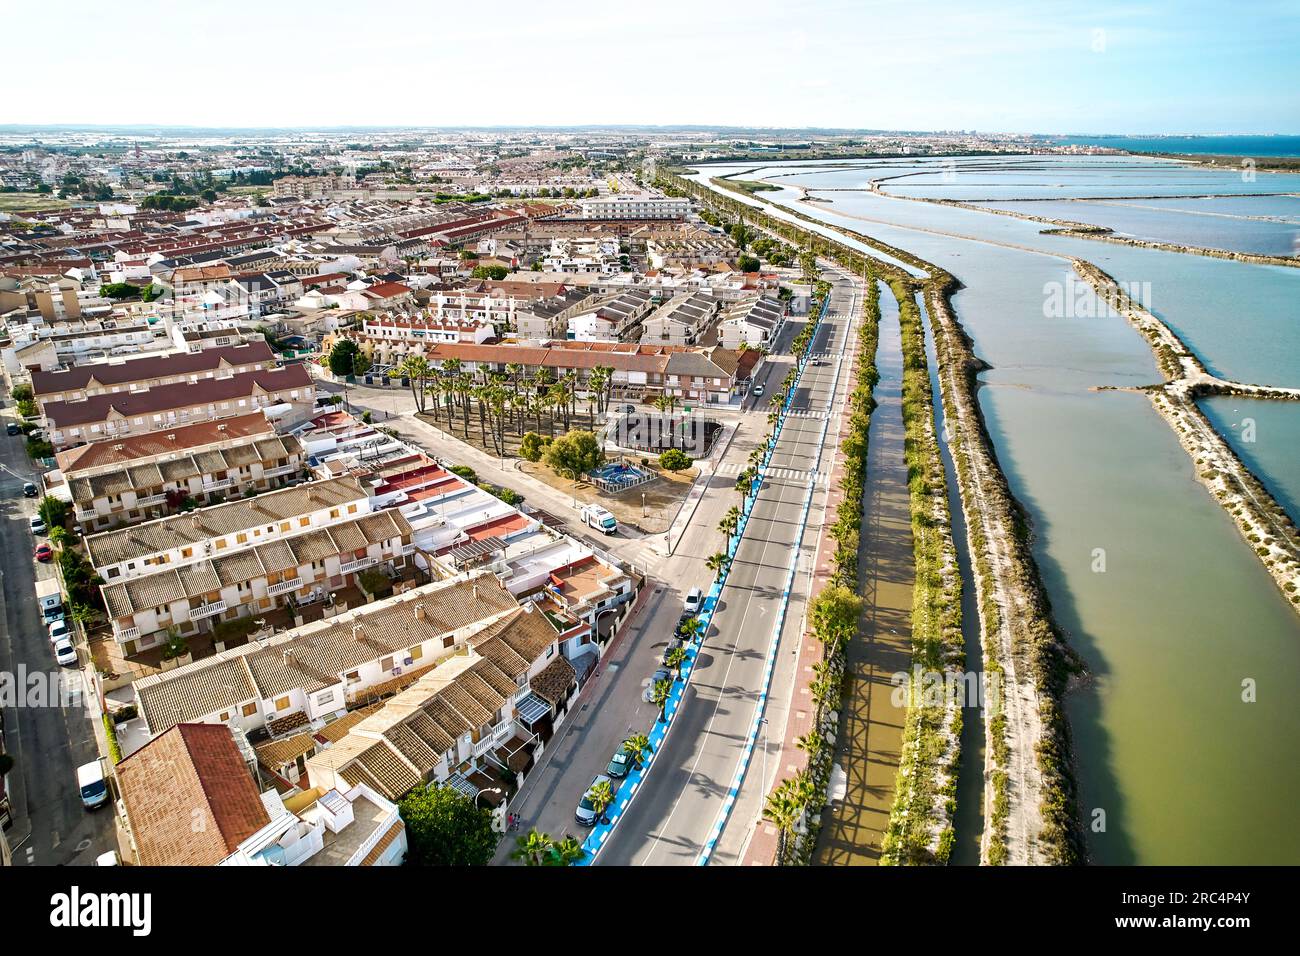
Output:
[[801, 475], [807, 413]]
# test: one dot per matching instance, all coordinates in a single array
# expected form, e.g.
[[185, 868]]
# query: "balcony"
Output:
[[207, 610], [150, 500], [282, 470], [217, 485], [349, 566], [126, 633], [90, 514], [283, 586]]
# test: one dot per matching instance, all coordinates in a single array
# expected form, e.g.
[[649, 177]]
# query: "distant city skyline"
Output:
[[1158, 67]]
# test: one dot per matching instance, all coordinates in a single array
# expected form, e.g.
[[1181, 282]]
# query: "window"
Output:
[[282, 703], [187, 552], [304, 522], [334, 512], [285, 526], [448, 640], [416, 652], [250, 710], [353, 677], [386, 664], [225, 716], [352, 509]]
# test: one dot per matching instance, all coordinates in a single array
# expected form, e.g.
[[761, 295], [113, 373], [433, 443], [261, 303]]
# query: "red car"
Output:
[[44, 553]]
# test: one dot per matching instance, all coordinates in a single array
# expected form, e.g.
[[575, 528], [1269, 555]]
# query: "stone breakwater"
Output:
[[1265, 525]]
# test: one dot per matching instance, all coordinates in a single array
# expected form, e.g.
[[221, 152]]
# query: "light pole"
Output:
[[763, 724], [643, 504]]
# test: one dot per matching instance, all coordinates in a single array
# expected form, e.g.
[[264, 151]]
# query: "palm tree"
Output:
[[730, 522], [659, 696], [676, 658], [565, 853], [716, 562], [533, 847], [784, 812], [637, 746], [416, 369], [689, 629], [601, 796]]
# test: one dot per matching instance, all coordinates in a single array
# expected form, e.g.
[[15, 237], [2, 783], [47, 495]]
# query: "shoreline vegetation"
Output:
[[921, 820], [1034, 816]]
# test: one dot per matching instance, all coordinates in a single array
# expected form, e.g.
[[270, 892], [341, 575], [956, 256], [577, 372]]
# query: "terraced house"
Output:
[[304, 680], [144, 476], [286, 392], [141, 374], [277, 553], [471, 722]]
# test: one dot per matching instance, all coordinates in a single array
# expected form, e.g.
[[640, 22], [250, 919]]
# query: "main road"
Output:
[[678, 806]]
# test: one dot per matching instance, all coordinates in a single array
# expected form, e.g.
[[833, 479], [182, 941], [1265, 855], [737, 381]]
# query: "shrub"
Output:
[[674, 459], [22, 392], [530, 447], [575, 454]]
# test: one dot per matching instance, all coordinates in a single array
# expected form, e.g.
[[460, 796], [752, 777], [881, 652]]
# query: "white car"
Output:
[[59, 631], [65, 653], [108, 859], [37, 524]]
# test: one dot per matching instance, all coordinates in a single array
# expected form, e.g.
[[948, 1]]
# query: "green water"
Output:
[[1148, 577]]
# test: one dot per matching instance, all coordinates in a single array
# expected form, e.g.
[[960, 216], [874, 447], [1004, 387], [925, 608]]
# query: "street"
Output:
[[47, 741]]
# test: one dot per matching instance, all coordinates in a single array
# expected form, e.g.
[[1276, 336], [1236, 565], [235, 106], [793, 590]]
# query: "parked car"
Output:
[[65, 653], [108, 859], [90, 782], [672, 646], [12, 428], [625, 409], [620, 763], [648, 695], [758, 391], [37, 524], [694, 601], [29, 489], [43, 552], [586, 812], [58, 630], [52, 614]]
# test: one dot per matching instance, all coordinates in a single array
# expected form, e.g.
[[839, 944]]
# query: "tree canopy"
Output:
[[445, 828], [574, 454]]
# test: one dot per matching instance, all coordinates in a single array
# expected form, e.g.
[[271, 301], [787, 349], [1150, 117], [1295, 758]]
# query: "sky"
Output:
[[1031, 67]]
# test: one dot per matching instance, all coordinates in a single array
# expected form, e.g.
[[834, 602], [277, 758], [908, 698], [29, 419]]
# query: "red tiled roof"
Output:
[[154, 366]]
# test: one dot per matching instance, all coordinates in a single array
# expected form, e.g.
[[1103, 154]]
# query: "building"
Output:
[[682, 320], [306, 679], [286, 393], [234, 563], [754, 321], [616, 318], [143, 476], [464, 722], [634, 206], [189, 799], [140, 374]]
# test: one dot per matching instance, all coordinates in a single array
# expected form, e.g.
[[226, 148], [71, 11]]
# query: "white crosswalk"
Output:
[[807, 413], [731, 468]]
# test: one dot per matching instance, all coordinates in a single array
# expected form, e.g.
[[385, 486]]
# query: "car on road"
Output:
[[672, 646], [586, 812], [620, 763], [108, 859], [43, 552], [65, 653], [694, 601], [12, 428], [625, 409], [52, 614], [29, 489], [90, 782], [58, 630], [648, 695], [758, 391], [37, 524], [594, 516]]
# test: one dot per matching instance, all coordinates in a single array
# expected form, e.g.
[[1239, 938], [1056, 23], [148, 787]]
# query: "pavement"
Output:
[[681, 801], [48, 741]]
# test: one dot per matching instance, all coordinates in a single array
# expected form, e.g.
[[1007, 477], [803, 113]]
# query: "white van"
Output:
[[91, 783], [594, 516]]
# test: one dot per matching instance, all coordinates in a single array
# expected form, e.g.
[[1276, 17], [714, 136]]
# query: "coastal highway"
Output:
[[678, 805]]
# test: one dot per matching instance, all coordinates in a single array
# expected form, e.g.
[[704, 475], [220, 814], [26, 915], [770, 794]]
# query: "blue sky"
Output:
[[1163, 67]]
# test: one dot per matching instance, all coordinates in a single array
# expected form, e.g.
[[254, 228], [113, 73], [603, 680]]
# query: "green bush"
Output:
[[22, 392], [575, 454], [531, 446], [674, 459]]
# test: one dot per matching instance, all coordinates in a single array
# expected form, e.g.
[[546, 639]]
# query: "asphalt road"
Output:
[[678, 805], [47, 741]]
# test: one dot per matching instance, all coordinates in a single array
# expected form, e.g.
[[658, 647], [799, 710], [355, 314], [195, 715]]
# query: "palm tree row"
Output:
[[508, 401]]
